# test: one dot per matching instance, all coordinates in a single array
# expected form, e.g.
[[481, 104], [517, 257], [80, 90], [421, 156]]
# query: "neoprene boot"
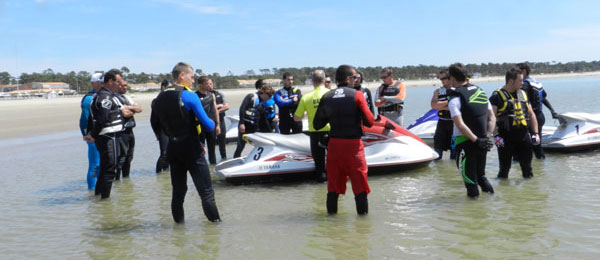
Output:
[[332, 202], [472, 190], [485, 185], [362, 205], [452, 154], [440, 154], [178, 213]]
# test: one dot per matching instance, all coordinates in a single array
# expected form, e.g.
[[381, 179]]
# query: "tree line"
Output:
[[80, 81]]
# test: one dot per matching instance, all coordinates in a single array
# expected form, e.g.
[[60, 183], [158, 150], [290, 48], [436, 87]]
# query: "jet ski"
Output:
[[233, 123], [576, 132], [275, 157], [424, 127]]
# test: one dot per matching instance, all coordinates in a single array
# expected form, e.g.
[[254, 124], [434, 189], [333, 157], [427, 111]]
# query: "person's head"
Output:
[[113, 79], [204, 83], [287, 79], [164, 85], [387, 76], [346, 75], [458, 74], [183, 74], [514, 79], [358, 83], [96, 81], [318, 78], [525, 68], [265, 91], [444, 77], [259, 83], [328, 82]]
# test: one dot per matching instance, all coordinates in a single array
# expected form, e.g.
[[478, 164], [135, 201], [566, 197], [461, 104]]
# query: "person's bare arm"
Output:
[[436, 104], [218, 120]]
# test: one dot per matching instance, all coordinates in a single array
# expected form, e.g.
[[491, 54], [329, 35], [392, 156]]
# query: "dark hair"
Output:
[[112, 75], [512, 73], [267, 90], [286, 75], [164, 83], [259, 83], [342, 72], [524, 68], [361, 76], [388, 71], [458, 71], [202, 79], [444, 71]]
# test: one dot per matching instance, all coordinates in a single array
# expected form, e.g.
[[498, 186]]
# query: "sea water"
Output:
[[46, 211]]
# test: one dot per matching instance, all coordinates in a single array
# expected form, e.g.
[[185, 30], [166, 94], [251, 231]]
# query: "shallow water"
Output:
[[48, 213]]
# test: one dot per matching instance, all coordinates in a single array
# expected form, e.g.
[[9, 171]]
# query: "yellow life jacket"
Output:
[[513, 112]]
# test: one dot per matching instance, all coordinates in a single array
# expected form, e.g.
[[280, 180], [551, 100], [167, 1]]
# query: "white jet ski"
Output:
[[576, 132], [277, 157], [424, 127], [233, 122]]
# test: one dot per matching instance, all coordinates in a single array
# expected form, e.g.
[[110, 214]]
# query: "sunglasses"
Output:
[[384, 77], [355, 77], [444, 78], [328, 82]]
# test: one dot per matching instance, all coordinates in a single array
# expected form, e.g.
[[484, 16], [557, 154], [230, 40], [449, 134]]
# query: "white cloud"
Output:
[[196, 7]]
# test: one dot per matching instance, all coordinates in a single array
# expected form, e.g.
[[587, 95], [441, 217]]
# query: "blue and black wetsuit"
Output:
[[93, 154], [179, 111]]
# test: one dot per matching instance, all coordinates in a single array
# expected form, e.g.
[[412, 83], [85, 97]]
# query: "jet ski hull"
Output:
[[576, 132]]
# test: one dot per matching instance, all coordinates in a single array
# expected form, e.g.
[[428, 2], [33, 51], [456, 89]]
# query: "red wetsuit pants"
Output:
[[346, 159]]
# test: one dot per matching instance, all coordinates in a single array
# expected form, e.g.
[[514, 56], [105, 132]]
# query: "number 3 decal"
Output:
[[257, 155]]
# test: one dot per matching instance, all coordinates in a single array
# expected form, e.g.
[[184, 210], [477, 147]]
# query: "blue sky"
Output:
[[221, 36]]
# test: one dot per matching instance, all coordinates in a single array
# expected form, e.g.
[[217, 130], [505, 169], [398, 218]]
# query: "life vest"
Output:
[[473, 107], [535, 92], [391, 90], [176, 120], [443, 96], [513, 112], [220, 99], [128, 123], [106, 99], [250, 113], [207, 104]]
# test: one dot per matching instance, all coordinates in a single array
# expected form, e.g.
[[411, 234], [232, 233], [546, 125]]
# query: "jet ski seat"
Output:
[[299, 142]]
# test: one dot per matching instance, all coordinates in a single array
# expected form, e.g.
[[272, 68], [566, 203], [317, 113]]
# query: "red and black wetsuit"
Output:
[[346, 112]]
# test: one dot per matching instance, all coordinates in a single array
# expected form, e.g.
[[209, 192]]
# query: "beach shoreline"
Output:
[[38, 116]]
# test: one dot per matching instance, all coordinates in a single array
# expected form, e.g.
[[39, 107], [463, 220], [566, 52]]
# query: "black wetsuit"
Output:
[[537, 96], [442, 139], [221, 138], [287, 107], [367, 94], [177, 110], [209, 136], [254, 116], [517, 141], [126, 142], [163, 140], [107, 126]]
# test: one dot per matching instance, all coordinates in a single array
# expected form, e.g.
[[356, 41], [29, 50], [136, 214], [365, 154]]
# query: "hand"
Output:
[[88, 138], [217, 129], [535, 139], [555, 115], [499, 141], [276, 119], [242, 128], [295, 99], [484, 143]]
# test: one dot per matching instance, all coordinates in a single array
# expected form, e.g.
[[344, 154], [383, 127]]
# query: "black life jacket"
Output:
[[128, 123], [535, 93], [390, 90], [250, 113], [513, 113], [207, 104], [219, 99], [174, 118], [473, 107], [106, 99], [345, 118], [443, 96]]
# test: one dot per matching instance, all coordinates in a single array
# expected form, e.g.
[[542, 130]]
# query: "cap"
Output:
[[97, 77]]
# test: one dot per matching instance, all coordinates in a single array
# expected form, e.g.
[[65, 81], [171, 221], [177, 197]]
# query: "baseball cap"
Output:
[[97, 77]]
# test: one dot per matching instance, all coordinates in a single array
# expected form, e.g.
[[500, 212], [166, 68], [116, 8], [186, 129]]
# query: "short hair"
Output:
[[259, 83], [179, 68], [267, 89], [164, 83], [112, 75], [524, 68], [445, 71], [342, 72], [202, 79], [458, 71], [286, 75], [318, 76], [512, 73], [361, 76], [388, 71]]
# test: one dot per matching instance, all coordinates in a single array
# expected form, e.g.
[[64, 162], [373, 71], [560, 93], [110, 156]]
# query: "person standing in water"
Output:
[[442, 139], [84, 126]]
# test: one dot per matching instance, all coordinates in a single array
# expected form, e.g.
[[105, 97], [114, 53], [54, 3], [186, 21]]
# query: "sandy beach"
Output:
[[32, 117]]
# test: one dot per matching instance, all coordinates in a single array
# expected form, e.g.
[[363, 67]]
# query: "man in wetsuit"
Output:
[[366, 92], [84, 123], [107, 115], [346, 111], [537, 96], [318, 137], [474, 124], [514, 119], [126, 138], [287, 99], [442, 139], [163, 140], [257, 114], [328, 82], [210, 107], [389, 97], [179, 110], [222, 106]]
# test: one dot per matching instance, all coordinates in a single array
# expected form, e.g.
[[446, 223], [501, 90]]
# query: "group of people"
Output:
[[470, 123], [106, 123], [183, 120]]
